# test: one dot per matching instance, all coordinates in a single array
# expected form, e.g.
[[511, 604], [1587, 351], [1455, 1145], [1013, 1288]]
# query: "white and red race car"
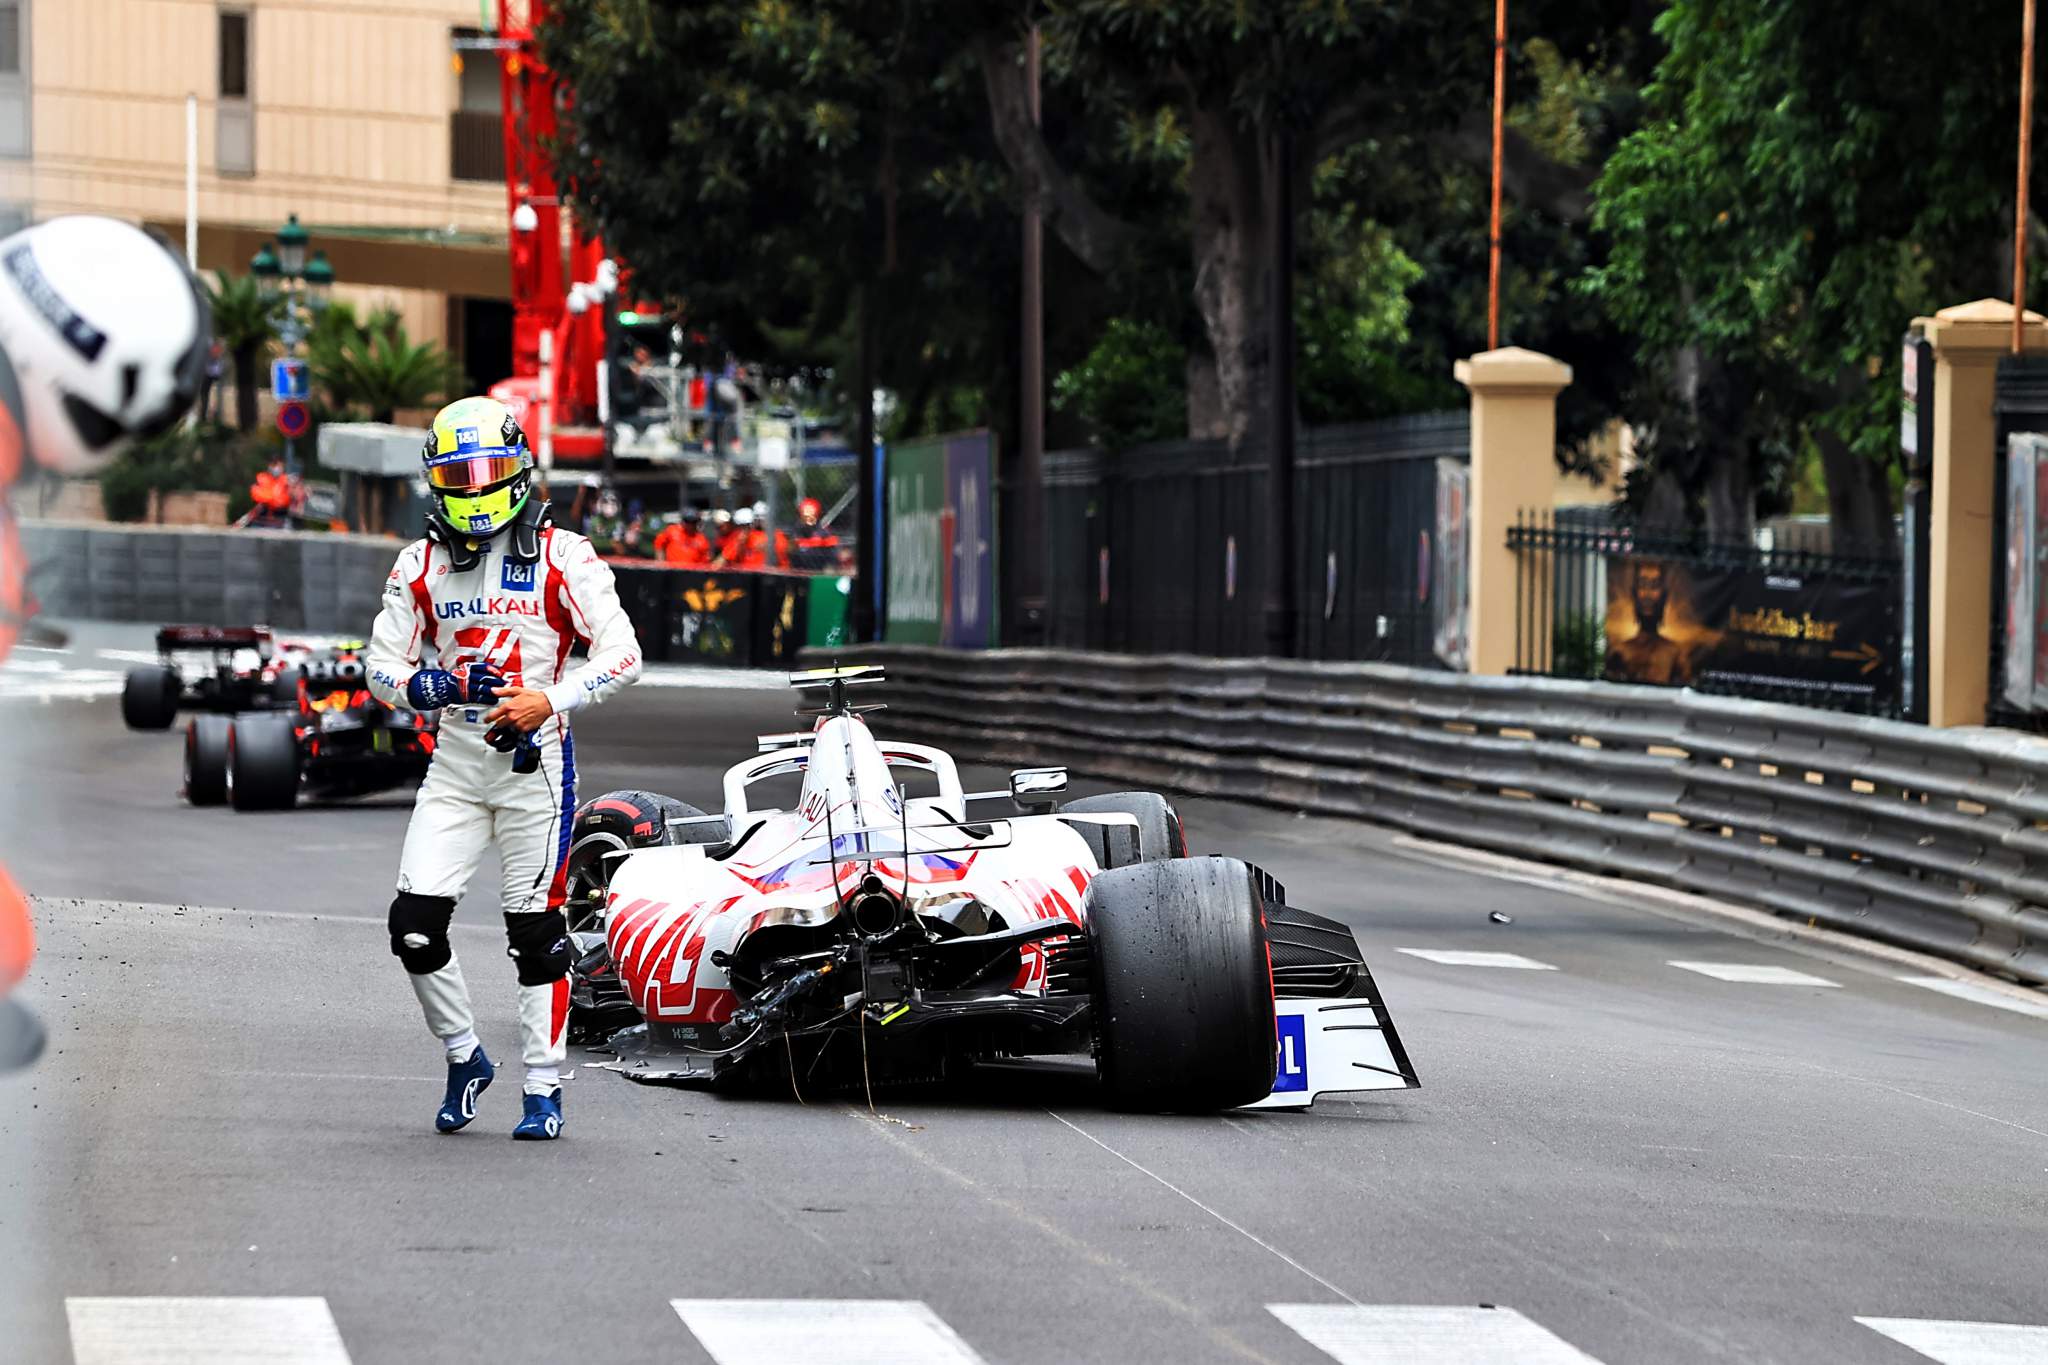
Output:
[[872, 932]]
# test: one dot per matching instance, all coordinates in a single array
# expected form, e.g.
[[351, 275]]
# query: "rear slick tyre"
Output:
[[263, 763], [206, 759], [1183, 987], [149, 698]]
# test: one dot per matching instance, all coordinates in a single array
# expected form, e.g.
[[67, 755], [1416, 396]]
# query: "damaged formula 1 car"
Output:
[[866, 934]]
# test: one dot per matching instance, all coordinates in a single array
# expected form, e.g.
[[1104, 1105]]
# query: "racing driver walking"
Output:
[[501, 595]]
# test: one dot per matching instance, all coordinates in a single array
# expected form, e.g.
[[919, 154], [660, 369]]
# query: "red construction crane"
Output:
[[557, 322]]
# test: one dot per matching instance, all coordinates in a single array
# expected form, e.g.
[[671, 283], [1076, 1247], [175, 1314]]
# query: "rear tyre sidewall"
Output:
[[206, 759], [263, 763], [149, 698], [597, 833], [1183, 987]]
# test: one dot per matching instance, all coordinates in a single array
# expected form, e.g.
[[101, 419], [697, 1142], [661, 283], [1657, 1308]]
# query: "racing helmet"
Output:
[[107, 332], [478, 468]]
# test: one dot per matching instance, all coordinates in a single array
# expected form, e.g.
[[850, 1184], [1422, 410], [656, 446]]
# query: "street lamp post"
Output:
[[297, 289]]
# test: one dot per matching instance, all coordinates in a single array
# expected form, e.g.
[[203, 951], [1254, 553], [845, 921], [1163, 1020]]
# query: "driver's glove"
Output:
[[473, 684]]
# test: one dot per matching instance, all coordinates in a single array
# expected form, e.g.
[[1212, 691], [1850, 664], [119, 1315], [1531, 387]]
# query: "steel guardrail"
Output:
[[1935, 840]]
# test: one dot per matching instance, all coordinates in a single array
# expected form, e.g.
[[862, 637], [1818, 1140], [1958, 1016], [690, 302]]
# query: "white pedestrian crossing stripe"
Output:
[[822, 1332], [1980, 995], [1966, 1343], [1458, 957], [1754, 974], [1414, 1334], [177, 1331]]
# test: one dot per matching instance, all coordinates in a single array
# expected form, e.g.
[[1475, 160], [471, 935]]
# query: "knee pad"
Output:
[[419, 931], [539, 946]]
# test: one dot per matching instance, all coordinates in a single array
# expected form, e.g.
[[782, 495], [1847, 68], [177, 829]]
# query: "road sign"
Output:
[[288, 383], [293, 419]]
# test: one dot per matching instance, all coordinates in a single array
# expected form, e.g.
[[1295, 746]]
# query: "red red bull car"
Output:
[[333, 742]]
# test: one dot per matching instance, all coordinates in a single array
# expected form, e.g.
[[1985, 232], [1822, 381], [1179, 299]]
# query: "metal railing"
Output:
[[1933, 840]]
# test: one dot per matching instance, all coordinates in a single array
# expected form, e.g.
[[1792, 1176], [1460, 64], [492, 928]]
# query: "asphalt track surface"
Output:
[[1648, 1162]]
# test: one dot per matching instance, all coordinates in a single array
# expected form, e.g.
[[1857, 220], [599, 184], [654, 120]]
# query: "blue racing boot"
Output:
[[466, 1080], [543, 1121]]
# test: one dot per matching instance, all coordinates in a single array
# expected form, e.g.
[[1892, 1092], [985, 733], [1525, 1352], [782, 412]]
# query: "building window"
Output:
[[234, 127], [476, 132], [10, 40], [14, 55], [234, 55]]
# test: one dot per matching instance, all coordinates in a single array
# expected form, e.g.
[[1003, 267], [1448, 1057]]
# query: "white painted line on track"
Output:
[[1979, 995], [177, 1331], [1754, 974], [822, 1332], [1966, 1343], [1459, 957], [1383, 1334]]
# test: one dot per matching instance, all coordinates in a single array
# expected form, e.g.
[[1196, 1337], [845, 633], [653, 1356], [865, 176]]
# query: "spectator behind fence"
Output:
[[817, 549], [272, 496], [683, 543]]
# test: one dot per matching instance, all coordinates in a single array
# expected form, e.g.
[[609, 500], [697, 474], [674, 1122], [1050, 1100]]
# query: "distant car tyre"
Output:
[[1183, 991], [1159, 832], [206, 759], [150, 696], [263, 763], [612, 823]]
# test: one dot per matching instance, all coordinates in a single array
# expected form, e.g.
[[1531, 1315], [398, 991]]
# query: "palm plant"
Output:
[[246, 322], [375, 366]]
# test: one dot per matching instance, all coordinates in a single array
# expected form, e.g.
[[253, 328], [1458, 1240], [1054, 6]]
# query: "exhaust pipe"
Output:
[[875, 909]]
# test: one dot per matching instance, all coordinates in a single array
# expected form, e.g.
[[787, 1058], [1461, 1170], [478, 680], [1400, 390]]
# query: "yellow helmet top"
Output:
[[477, 466]]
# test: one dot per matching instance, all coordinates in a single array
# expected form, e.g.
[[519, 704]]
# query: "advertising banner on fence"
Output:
[[941, 551], [1827, 641]]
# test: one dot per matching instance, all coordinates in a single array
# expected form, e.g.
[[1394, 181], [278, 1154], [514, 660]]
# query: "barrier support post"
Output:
[[1514, 466], [1968, 340]]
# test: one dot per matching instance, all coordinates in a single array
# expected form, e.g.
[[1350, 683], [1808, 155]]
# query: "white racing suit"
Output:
[[521, 617]]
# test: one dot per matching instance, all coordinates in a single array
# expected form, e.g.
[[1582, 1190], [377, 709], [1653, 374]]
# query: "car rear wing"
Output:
[[213, 637]]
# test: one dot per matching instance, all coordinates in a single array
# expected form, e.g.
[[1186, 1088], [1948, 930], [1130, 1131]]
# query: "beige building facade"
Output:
[[363, 117]]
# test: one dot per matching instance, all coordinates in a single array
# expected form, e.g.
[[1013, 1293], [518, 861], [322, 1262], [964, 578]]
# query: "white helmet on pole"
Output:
[[107, 333]]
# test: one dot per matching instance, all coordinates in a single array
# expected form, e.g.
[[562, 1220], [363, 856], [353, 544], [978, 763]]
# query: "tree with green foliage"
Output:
[[1126, 390], [768, 167], [374, 366], [1389, 78], [1810, 178], [245, 321]]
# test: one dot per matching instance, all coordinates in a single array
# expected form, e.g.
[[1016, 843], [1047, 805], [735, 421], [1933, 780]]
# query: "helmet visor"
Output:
[[474, 470]]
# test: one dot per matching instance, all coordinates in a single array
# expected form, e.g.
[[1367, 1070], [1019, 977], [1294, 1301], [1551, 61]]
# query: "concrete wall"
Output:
[[164, 575]]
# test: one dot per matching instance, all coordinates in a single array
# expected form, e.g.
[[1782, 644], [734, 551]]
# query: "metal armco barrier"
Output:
[[1934, 840]]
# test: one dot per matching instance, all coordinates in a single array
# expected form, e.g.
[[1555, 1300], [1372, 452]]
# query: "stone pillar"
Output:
[[1514, 469], [1968, 342]]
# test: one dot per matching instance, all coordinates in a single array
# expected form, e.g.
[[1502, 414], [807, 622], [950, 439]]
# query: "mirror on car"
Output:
[[1031, 787]]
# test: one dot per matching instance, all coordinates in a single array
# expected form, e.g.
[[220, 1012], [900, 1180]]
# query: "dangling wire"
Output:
[[789, 1050]]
